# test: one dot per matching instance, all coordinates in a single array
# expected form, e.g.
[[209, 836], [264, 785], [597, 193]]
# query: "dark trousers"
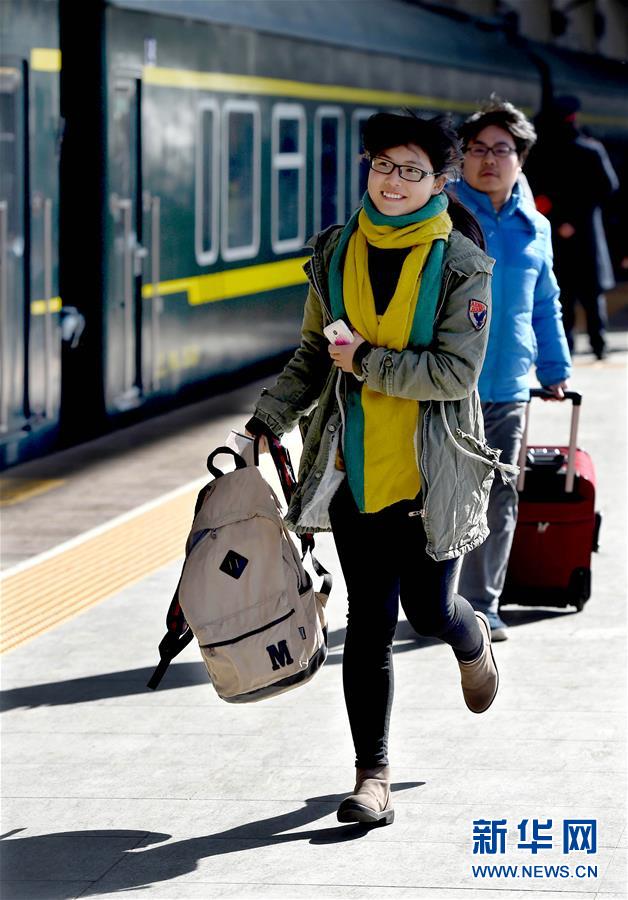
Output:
[[594, 306], [483, 571], [383, 559]]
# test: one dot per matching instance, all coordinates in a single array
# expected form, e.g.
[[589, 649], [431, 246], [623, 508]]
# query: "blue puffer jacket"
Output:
[[526, 324]]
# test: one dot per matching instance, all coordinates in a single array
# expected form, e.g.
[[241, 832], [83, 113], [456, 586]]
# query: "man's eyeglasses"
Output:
[[408, 173], [501, 151]]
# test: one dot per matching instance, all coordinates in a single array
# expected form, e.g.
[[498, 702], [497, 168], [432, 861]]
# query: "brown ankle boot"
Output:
[[370, 801], [479, 678]]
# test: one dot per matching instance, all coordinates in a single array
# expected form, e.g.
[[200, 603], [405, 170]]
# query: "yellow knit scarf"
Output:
[[390, 465]]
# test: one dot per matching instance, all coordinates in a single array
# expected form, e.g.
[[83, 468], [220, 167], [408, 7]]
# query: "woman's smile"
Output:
[[406, 196]]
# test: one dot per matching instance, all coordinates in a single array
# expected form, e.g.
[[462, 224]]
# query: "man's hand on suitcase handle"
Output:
[[556, 391]]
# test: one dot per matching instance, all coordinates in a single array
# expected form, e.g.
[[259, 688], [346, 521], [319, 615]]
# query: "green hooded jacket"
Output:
[[456, 465]]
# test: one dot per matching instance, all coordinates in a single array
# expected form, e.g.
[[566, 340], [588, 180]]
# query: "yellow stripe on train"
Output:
[[40, 307], [282, 87], [45, 59], [232, 282]]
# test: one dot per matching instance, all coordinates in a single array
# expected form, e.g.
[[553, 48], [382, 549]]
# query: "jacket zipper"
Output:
[[316, 285], [424, 483], [428, 411]]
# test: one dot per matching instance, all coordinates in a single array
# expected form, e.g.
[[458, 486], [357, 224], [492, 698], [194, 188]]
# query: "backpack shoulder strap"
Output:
[[177, 637], [283, 464]]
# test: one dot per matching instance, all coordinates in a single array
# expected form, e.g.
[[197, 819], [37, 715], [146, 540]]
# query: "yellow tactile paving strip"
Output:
[[39, 596], [16, 490]]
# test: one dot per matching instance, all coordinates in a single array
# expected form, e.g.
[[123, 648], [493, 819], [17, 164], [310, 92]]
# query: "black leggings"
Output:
[[383, 559]]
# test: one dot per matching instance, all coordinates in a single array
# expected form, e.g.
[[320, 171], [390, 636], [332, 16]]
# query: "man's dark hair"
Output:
[[437, 137], [503, 114]]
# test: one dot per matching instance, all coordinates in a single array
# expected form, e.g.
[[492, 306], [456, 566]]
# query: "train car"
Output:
[[30, 131], [203, 143], [231, 132]]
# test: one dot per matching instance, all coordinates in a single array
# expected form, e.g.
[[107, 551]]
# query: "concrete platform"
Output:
[[112, 790]]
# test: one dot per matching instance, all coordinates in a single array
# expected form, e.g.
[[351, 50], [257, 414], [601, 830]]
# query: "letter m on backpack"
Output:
[[279, 655]]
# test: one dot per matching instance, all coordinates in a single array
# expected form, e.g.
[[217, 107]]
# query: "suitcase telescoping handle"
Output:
[[576, 400]]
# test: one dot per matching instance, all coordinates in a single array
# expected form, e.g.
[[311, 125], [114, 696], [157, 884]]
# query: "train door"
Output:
[[13, 270], [126, 253]]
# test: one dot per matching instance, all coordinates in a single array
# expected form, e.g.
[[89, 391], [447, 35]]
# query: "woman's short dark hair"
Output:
[[436, 136], [503, 114]]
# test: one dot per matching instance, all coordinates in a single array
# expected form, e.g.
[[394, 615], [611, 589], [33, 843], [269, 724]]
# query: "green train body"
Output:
[[202, 143]]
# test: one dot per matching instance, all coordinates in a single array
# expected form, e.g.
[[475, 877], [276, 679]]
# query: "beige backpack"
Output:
[[244, 593]]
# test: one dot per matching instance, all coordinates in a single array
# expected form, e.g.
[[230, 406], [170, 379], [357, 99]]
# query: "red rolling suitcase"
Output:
[[557, 527]]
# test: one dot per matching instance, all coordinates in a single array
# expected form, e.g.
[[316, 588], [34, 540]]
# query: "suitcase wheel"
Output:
[[580, 587]]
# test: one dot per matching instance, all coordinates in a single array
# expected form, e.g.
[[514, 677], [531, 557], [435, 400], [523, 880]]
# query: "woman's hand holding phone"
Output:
[[343, 344]]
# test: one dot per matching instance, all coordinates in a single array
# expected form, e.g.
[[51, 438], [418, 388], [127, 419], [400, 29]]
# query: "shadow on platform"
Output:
[[188, 674], [128, 860]]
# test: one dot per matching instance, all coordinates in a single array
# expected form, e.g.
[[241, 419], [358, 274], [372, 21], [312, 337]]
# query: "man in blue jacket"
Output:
[[526, 324]]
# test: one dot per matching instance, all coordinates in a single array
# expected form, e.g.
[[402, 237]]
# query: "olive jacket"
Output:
[[456, 465]]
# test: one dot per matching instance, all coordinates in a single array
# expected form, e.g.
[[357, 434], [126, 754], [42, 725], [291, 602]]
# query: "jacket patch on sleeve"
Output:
[[477, 313]]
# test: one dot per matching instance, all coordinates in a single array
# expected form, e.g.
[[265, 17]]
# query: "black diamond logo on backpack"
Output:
[[233, 564]]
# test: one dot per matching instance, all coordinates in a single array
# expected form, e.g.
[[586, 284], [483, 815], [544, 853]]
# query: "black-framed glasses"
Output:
[[408, 173], [501, 150]]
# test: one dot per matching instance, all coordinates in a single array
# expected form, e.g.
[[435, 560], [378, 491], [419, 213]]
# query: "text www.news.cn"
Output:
[[537, 871]]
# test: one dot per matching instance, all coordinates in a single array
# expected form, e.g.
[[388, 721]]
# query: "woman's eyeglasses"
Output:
[[501, 151], [408, 173]]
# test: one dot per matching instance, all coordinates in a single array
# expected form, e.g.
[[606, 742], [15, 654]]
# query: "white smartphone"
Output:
[[239, 442], [338, 333]]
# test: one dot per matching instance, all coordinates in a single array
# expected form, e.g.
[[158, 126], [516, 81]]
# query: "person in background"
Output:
[[526, 325], [394, 458], [572, 179]]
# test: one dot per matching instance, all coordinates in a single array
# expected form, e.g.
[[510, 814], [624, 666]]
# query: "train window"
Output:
[[240, 236], [359, 166], [288, 135], [206, 183], [288, 177], [123, 137], [329, 167], [10, 152]]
